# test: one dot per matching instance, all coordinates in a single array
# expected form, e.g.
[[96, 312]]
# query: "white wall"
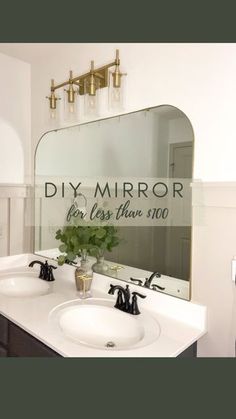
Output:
[[15, 154], [15, 121], [15, 208], [199, 79]]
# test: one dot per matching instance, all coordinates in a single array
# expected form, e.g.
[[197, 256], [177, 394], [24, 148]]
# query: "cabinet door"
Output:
[[3, 352], [22, 344], [3, 330]]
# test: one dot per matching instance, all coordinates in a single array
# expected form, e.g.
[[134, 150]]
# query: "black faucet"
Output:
[[46, 270], [148, 281], [123, 299]]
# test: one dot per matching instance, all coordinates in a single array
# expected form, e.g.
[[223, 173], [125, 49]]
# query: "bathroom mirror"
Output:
[[143, 157]]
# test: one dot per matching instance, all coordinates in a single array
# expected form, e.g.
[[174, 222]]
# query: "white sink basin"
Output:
[[96, 323], [22, 285]]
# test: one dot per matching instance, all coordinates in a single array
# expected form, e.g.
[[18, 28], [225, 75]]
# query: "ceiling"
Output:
[[30, 52]]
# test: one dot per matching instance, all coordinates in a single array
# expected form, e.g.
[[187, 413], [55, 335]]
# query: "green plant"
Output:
[[94, 239]]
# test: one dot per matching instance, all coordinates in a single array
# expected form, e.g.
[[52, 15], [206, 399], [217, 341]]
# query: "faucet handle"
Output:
[[49, 266], [52, 267], [119, 302], [50, 276], [140, 295], [139, 281], [111, 289], [48, 271], [134, 305], [155, 286]]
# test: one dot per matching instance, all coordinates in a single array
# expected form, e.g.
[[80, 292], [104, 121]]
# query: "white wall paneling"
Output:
[[15, 219], [214, 246]]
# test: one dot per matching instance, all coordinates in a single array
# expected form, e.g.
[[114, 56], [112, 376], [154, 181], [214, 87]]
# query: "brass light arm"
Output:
[[98, 73], [77, 83], [58, 86], [99, 70], [76, 79]]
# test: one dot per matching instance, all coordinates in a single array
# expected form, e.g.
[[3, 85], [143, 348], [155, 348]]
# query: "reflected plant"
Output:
[[95, 240]]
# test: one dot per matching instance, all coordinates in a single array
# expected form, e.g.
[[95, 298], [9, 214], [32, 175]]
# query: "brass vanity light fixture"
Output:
[[87, 85], [53, 101]]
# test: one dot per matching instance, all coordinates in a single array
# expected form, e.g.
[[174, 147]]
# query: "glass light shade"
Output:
[[52, 116], [116, 95], [91, 105], [54, 113], [70, 108]]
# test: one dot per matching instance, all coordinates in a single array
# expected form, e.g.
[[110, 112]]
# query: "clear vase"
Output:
[[83, 277], [100, 266]]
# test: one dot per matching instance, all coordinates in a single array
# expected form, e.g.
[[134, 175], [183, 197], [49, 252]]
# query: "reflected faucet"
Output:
[[148, 281]]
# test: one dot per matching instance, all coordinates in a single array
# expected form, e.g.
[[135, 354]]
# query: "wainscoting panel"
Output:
[[213, 248], [15, 217]]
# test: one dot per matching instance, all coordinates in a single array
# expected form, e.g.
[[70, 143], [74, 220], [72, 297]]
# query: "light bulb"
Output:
[[71, 107], [91, 105], [116, 95], [53, 114], [92, 102]]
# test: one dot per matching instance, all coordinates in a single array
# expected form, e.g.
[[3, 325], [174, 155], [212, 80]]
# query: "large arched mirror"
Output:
[[144, 157]]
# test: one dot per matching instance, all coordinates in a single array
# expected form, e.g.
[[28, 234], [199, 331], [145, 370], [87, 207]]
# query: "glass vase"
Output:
[[100, 266], [83, 277]]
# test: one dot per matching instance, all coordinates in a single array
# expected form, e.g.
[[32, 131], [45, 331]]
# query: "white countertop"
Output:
[[181, 322]]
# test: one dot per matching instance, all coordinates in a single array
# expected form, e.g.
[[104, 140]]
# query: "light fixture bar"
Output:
[[100, 72]]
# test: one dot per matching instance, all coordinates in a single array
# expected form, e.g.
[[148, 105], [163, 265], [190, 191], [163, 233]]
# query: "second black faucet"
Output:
[[123, 299]]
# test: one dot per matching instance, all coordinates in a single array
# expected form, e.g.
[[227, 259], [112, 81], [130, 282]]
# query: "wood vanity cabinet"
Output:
[[3, 336], [15, 342], [190, 352]]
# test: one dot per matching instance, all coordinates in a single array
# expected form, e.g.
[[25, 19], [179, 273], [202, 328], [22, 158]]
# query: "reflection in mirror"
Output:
[[148, 147]]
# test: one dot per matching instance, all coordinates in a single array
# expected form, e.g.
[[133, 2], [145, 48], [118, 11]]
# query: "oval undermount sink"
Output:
[[22, 285], [98, 324]]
